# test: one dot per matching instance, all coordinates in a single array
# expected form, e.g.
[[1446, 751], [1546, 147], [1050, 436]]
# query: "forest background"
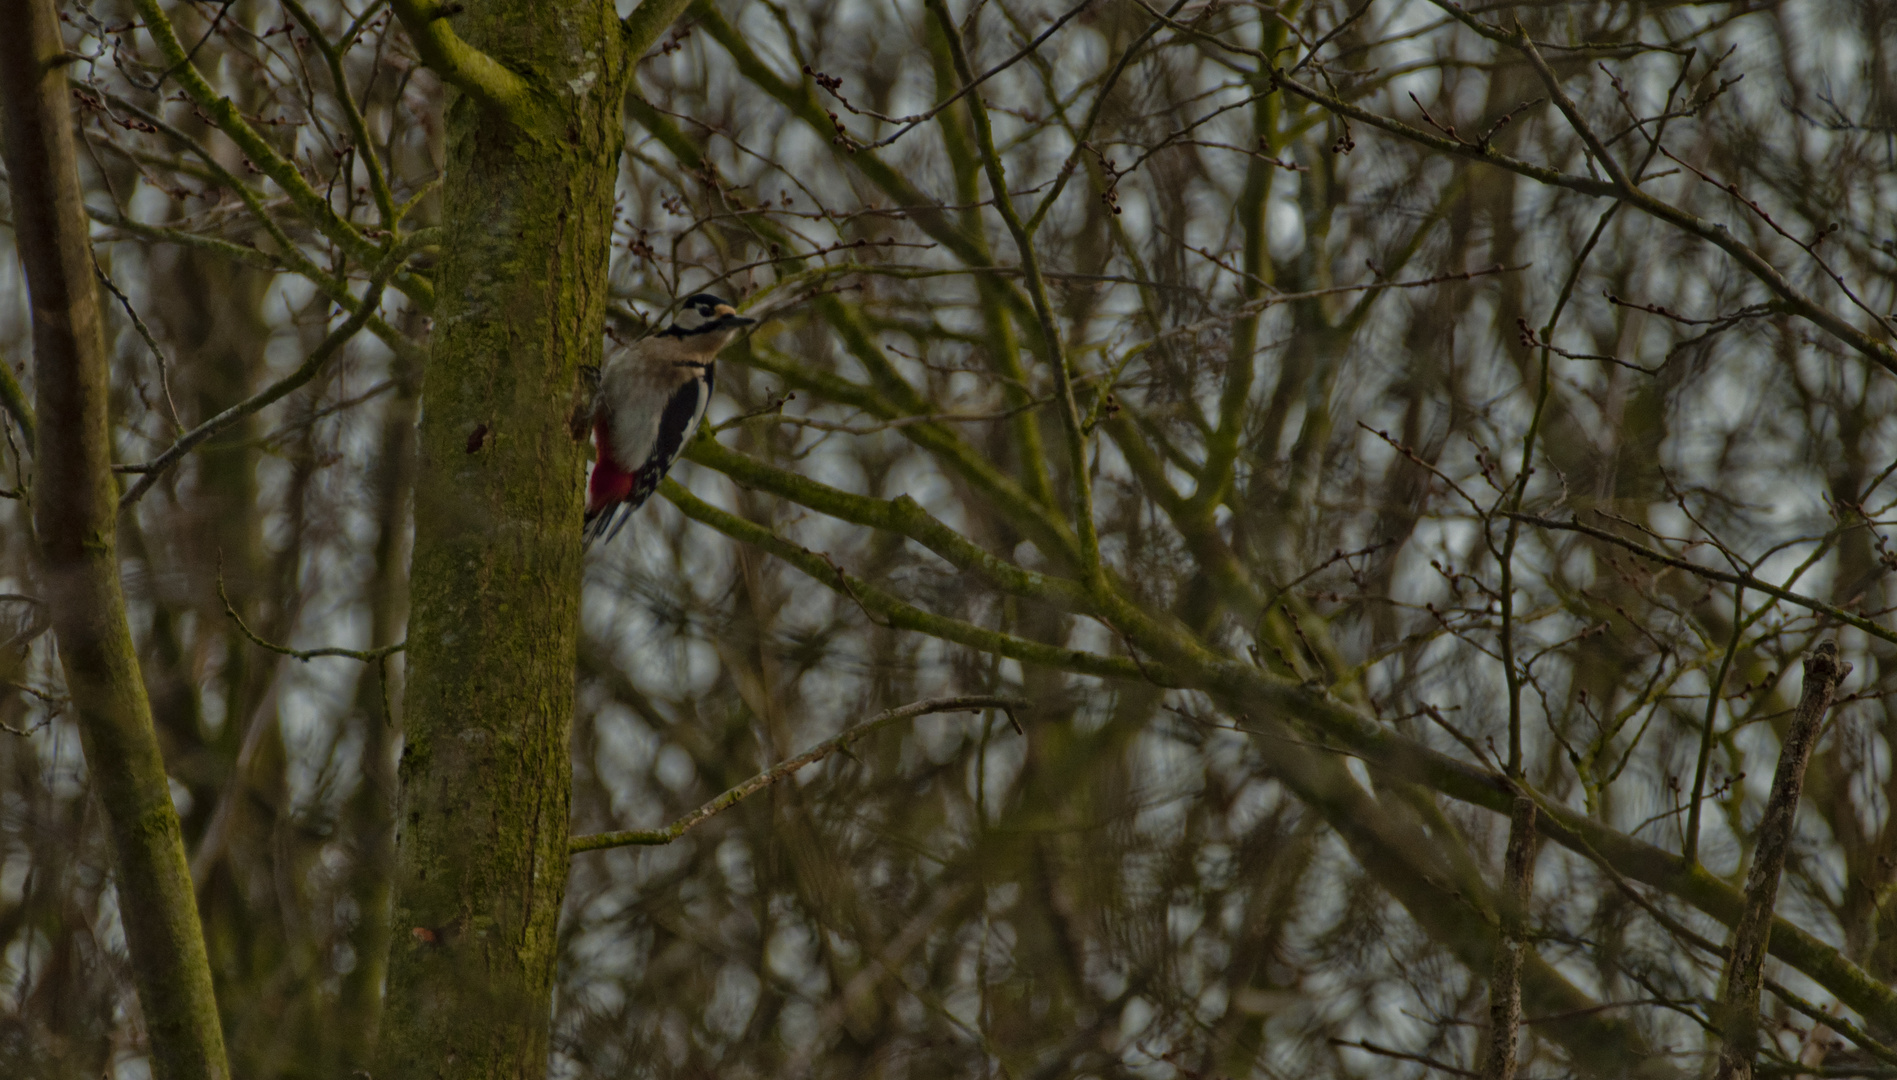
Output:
[[1310, 582]]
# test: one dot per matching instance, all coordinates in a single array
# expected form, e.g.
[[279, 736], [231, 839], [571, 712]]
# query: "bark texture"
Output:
[[1505, 977], [74, 512], [1745, 967], [484, 775], [372, 811]]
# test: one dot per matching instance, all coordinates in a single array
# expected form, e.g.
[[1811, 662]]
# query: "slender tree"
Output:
[[74, 517]]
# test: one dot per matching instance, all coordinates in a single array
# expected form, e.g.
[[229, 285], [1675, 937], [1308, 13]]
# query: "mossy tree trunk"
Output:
[[534, 136], [75, 520], [372, 810]]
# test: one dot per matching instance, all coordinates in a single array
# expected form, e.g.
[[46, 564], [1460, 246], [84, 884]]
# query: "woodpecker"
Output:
[[652, 394]]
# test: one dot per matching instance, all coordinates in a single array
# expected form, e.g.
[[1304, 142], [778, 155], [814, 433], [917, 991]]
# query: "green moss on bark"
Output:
[[74, 514], [496, 573]]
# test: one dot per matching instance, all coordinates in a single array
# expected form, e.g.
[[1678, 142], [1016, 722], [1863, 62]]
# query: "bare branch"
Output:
[[1739, 996], [1716, 233], [305, 371], [460, 64], [838, 742], [1748, 581]]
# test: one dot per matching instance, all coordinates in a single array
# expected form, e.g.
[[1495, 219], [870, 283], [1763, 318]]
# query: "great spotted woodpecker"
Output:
[[651, 396]]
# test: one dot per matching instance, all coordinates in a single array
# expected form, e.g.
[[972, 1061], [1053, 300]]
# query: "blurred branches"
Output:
[[838, 743], [1341, 425]]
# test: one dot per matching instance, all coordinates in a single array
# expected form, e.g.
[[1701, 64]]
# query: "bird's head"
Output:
[[709, 320]]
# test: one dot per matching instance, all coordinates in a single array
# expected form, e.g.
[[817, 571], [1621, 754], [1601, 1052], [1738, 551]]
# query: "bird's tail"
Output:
[[604, 524]]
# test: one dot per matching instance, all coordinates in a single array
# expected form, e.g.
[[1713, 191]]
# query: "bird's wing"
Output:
[[683, 411], [681, 416], [627, 400]]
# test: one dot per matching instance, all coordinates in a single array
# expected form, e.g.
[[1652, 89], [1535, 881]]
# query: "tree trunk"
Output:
[[372, 811], [485, 776], [75, 514], [1505, 974], [1738, 1012]]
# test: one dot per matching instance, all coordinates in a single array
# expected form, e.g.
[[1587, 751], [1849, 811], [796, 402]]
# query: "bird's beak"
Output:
[[728, 316]]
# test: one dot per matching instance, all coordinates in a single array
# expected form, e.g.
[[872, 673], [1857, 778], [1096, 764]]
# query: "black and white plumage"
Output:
[[652, 394]]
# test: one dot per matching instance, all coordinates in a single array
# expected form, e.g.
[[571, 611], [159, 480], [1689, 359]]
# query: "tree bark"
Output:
[[534, 136], [1745, 967], [372, 811], [1505, 976], [75, 508]]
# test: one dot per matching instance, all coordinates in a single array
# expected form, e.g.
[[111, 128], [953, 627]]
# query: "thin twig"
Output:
[[840, 741], [1093, 115], [164, 372], [367, 656], [1689, 849], [1747, 580], [1383, 1051], [1715, 233], [919, 119], [306, 371], [897, 422], [843, 580], [775, 405], [1331, 35]]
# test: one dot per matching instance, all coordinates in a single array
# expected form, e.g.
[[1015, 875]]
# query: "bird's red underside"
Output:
[[610, 483]]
